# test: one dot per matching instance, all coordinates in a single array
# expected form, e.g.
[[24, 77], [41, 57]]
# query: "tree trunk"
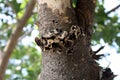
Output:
[[73, 62]]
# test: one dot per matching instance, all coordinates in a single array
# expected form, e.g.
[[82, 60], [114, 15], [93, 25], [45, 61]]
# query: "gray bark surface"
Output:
[[77, 65]]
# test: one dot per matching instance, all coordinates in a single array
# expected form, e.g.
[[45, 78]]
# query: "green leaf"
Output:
[[74, 3], [117, 40]]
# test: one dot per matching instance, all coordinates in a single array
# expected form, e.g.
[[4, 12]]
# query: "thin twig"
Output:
[[23, 36], [113, 9]]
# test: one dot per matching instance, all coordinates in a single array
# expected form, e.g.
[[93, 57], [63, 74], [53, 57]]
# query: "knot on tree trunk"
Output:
[[57, 39]]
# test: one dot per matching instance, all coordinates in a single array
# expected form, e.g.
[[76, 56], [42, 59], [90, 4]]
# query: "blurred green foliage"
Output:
[[106, 27], [25, 62], [74, 3]]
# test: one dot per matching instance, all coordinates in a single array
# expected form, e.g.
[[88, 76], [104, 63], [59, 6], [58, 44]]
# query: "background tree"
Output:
[[21, 19], [25, 60]]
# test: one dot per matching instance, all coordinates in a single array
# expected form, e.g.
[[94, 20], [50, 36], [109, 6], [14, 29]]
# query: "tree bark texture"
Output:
[[77, 65]]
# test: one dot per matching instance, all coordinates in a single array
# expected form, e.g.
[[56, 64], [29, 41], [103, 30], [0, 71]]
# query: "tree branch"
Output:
[[113, 9], [14, 38]]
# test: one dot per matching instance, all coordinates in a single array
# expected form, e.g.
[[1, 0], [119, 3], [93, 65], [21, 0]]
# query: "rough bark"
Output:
[[5, 55], [77, 65]]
